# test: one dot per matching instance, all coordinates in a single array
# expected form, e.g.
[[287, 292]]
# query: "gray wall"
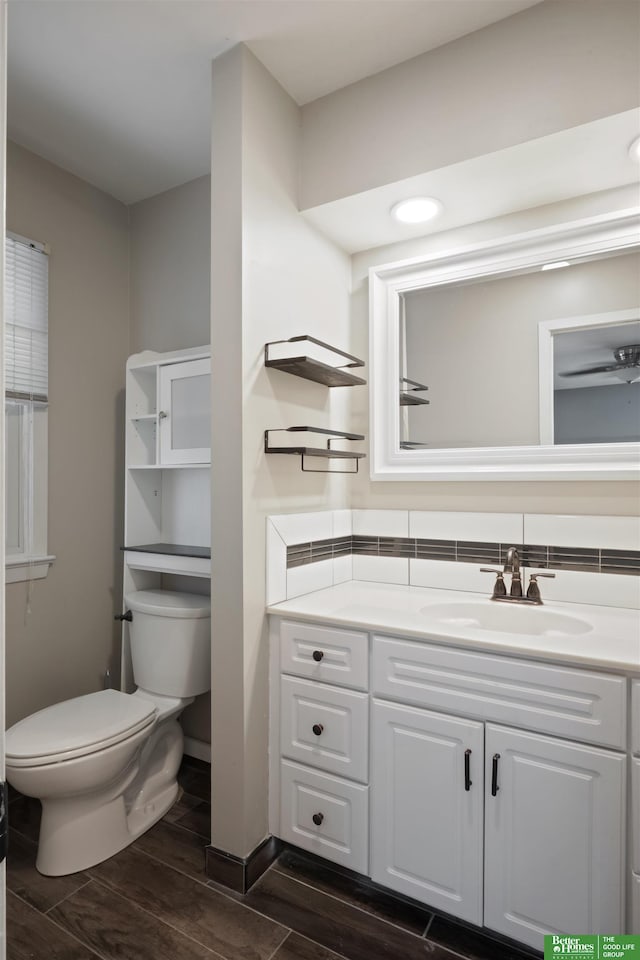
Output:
[[61, 647], [170, 268], [551, 67], [602, 414], [121, 280]]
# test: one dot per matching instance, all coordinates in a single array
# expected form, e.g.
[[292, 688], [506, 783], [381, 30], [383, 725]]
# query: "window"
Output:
[[26, 408]]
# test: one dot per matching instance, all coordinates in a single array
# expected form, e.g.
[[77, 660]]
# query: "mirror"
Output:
[[470, 361], [517, 359]]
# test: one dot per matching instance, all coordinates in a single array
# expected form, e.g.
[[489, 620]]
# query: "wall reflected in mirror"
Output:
[[469, 362]]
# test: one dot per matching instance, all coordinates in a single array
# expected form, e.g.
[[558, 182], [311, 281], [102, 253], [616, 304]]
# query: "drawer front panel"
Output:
[[325, 727], [635, 716], [576, 704], [341, 656], [341, 809]]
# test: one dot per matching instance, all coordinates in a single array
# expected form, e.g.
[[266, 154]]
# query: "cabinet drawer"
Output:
[[340, 832], [324, 653], [576, 704], [635, 716], [325, 727], [635, 815]]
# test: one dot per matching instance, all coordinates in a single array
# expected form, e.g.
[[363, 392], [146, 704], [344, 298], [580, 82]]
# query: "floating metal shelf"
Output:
[[312, 369], [325, 453], [408, 396]]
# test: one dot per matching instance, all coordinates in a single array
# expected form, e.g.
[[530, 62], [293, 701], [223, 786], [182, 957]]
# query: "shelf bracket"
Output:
[[304, 450]]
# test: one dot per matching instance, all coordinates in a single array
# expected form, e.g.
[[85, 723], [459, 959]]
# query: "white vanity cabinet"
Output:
[[323, 742], [635, 809], [490, 787], [550, 813]]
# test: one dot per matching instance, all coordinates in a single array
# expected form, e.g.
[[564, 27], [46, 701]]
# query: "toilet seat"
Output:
[[77, 728]]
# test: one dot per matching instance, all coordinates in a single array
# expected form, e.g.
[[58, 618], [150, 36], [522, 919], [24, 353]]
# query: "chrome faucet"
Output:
[[512, 566]]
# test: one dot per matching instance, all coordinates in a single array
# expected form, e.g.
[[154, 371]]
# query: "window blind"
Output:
[[26, 323]]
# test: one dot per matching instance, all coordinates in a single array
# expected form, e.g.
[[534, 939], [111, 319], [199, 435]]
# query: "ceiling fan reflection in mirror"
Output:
[[626, 366]]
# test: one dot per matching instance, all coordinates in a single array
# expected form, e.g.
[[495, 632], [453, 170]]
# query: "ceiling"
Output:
[[575, 162], [118, 91], [582, 349]]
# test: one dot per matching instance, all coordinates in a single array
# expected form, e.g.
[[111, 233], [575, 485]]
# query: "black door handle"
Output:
[[494, 774], [317, 729], [317, 655], [467, 770], [318, 818]]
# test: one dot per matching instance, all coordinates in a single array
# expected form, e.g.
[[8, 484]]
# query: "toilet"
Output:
[[104, 765]]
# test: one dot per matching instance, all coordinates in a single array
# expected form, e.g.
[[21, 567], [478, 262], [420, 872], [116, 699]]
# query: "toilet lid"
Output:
[[77, 727]]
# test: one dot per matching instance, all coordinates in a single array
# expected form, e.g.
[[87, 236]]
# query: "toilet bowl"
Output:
[[104, 765]]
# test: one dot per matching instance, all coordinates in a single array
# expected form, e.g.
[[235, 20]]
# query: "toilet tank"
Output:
[[170, 637]]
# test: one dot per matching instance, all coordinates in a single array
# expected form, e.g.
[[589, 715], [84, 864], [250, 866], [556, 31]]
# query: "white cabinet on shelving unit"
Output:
[[184, 415]]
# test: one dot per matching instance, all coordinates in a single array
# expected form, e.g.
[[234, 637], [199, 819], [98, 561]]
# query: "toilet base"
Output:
[[77, 832], [73, 839]]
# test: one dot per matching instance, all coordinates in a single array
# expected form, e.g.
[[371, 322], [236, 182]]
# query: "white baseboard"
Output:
[[198, 749]]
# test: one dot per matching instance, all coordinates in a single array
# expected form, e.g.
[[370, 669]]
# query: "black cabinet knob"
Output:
[[318, 818], [317, 729], [318, 655]]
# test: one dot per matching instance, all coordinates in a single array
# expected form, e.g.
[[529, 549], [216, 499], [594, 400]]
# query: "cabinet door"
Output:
[[426, 830], [635, 814], [554, 837], [184, 412], [634, 919]]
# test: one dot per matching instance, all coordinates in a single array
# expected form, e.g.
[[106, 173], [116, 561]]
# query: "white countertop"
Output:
[[609, 637]]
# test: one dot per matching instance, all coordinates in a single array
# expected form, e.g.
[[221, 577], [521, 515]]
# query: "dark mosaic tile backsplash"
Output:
[[587, 559]]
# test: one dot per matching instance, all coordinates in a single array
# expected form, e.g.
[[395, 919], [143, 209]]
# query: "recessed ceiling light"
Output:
[[416, 209], [634, 150], [555, 265]]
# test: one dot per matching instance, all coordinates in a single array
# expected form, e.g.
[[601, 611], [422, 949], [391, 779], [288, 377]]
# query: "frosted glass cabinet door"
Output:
[[184, 412]]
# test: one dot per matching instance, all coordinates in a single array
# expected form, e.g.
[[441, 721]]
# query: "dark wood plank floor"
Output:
[[153, 901]]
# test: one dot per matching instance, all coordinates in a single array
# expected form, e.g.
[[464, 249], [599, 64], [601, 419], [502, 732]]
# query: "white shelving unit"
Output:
[[167, 529]]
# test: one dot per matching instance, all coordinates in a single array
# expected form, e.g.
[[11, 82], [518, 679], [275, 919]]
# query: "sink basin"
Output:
[[506, 618]]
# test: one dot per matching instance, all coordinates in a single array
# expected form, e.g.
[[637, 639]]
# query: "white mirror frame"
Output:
[[592, 237]]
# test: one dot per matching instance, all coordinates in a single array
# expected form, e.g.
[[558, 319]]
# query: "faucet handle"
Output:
[[499, 588], [533, 590]]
